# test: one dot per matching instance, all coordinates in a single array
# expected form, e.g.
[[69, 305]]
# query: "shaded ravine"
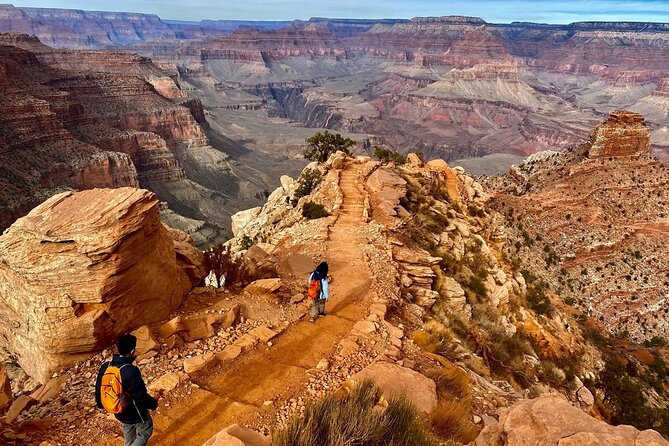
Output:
[[234, 393]]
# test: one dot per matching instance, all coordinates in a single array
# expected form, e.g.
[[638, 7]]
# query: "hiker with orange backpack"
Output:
[[120, 390], [318, 291]]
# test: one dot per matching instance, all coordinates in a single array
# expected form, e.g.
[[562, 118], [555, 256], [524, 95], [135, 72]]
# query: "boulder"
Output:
[[80, 269], [190, 259], [263, 287], [192, 328], [552, 421], [197, 363], [5, 389], [24, 402], [229, 353], [49, 390], [235, 435], [394, 380], [145, 340], [241, 219], [263, 333], [167, 382]]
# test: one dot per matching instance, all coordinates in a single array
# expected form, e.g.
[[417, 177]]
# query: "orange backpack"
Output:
[[314, 290], [114, 399]]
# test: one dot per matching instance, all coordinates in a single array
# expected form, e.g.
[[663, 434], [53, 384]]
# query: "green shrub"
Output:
[[354, 420], [313, 210], [323, 144], [385, 155], [477, 286], [307, 182]]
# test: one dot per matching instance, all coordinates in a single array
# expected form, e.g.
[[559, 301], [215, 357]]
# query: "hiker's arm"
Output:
[[137, 391], [326, 289], [98, 384]]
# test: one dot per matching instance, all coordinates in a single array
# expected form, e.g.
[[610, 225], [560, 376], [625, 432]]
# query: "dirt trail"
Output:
[[234, 393]]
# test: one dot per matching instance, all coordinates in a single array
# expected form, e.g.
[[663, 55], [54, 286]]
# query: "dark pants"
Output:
[[138, 434]]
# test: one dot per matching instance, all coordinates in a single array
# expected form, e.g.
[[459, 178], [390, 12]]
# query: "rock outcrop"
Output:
[[236, 435], [622, 134], [82, 268], [552, 421], [395, 381]]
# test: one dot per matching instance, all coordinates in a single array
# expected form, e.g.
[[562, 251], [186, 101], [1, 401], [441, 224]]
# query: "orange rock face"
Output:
[[622, 134], [82, 268]]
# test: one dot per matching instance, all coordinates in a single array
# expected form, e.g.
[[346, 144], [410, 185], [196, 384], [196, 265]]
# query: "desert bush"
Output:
[[477, 286], [551, 374], [323, 144], [386, 155], [306, 183], [353, 420], [228, 269], [313, 210]]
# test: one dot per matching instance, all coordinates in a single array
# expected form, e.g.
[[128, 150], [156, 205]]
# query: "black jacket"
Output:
[[133, 385]]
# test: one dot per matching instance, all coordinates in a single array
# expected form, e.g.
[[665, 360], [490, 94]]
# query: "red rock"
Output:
[[622, 134], [24, 402], [79, 270], [5, 389], [50, 389]]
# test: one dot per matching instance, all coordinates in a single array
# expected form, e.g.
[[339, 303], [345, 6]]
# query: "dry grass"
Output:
[[435, 338], [451, 420], [452, 381], [355, 420]]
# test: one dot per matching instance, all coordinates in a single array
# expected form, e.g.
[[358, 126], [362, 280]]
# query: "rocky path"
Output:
[[234, 394]]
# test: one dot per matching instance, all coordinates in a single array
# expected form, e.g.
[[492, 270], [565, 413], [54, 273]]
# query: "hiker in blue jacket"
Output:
[[318, 303]]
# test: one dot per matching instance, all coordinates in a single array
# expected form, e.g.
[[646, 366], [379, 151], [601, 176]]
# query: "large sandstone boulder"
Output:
[[552, 421], [622, 134], [394, 381], [82, 268]]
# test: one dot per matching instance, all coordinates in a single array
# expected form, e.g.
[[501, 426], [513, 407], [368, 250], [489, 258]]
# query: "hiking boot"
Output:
[[321, 314], [312, 320]]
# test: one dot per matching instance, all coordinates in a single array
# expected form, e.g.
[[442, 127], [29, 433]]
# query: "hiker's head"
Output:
[[126, 344], [322, 269]]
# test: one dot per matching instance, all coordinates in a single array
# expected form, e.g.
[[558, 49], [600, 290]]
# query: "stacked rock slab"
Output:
[[622, 134], [79, 270]]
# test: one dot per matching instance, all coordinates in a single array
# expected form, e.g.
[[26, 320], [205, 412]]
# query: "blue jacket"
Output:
[[325, 292]]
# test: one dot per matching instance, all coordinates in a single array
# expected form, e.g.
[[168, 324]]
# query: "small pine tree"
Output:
[[323, 144]]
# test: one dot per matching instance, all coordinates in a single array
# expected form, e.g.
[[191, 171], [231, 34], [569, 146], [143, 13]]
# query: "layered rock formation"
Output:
[[552, 421], [622, 134], [84, 267], [594, 218], [111, 120]]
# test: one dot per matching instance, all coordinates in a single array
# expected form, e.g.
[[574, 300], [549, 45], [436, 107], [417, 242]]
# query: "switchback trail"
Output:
[[233, 394]]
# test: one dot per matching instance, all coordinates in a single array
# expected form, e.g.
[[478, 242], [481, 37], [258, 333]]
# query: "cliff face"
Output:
[[79, 120]]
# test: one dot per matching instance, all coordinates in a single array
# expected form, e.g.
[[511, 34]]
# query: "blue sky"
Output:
[[501, 11]]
